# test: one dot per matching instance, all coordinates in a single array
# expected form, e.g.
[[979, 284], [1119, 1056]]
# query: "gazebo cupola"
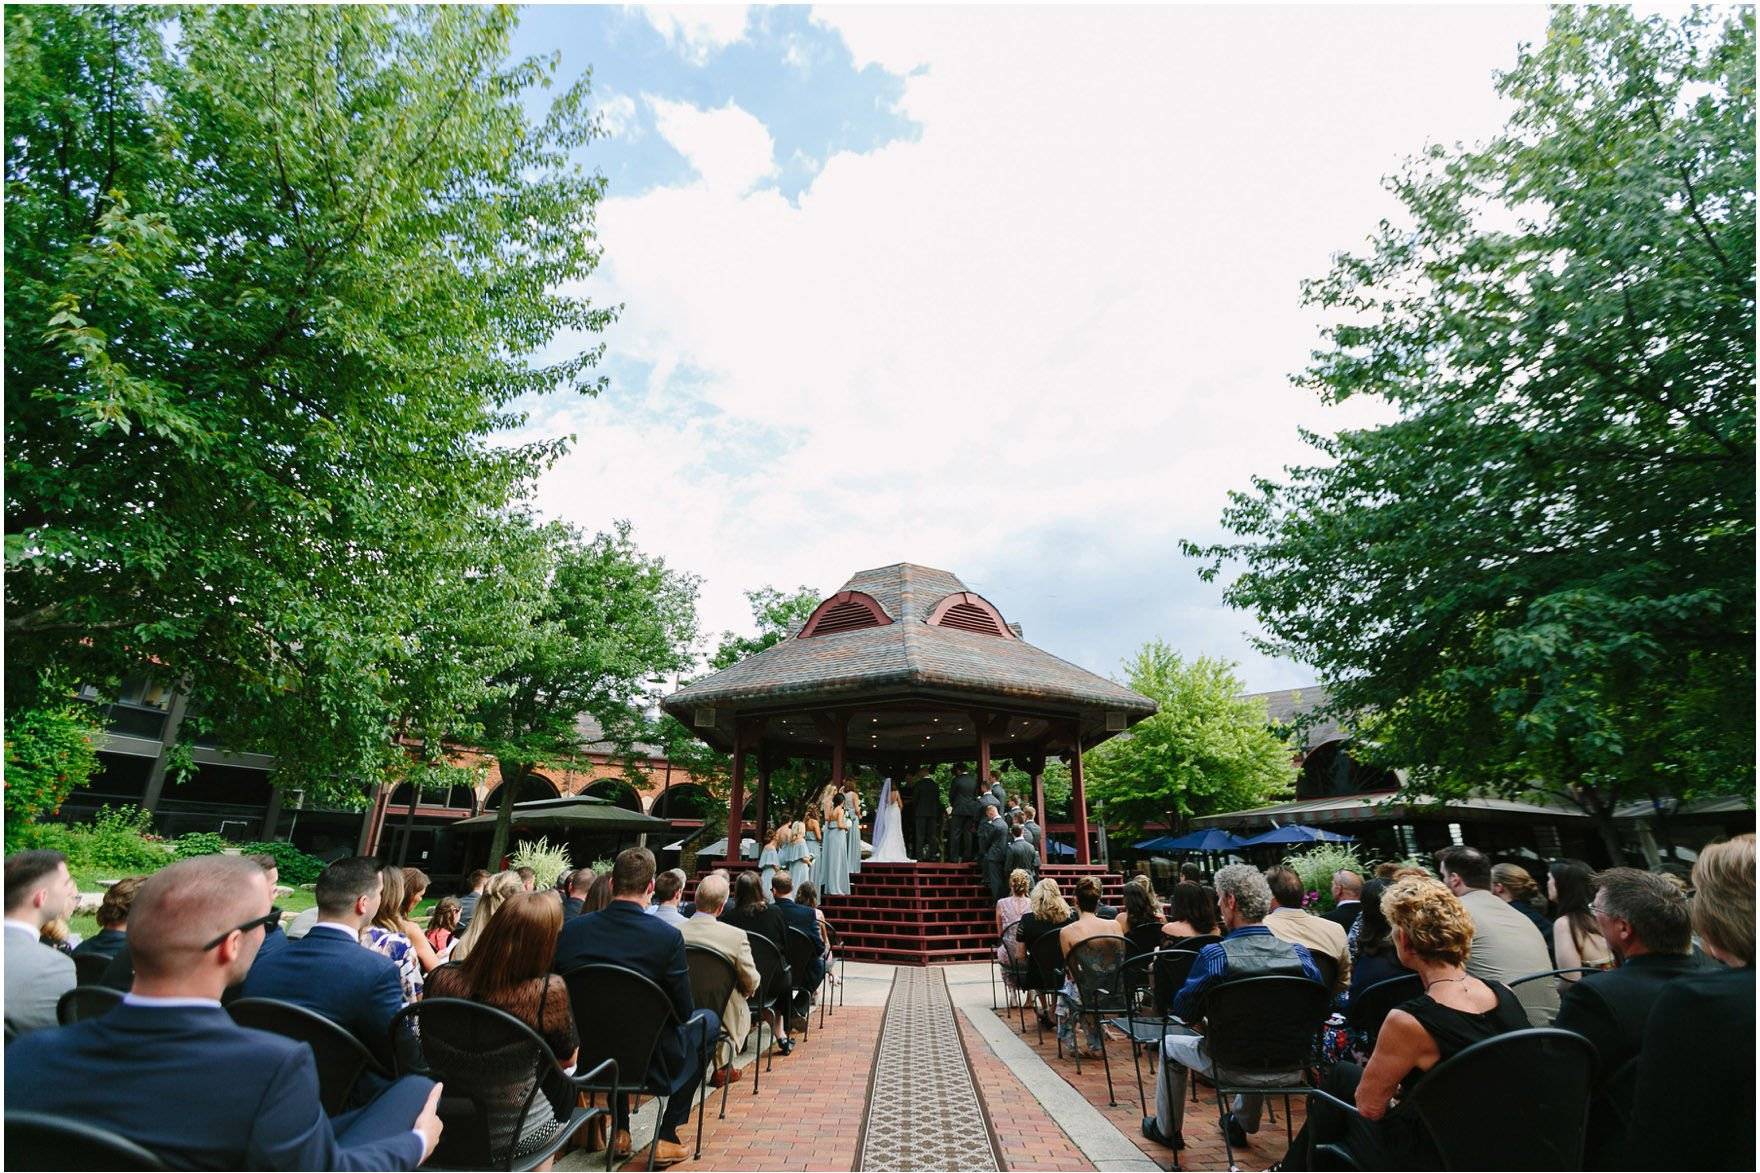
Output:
[[903, 666]]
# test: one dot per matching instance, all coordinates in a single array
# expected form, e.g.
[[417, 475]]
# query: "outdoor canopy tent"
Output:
[[1284, 836], [1210, 839], [580, 813]]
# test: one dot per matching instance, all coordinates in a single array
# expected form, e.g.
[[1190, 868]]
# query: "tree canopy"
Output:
[[1540, 576], [1208, 749], [276, 277]]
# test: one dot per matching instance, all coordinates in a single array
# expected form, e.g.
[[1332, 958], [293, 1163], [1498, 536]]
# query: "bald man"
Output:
[[171, 1071]]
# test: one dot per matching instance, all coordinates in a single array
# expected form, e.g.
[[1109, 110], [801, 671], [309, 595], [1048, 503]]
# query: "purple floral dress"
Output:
[[396, 946]]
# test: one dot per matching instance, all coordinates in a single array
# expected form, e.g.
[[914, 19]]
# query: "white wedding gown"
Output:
[[888, 830]]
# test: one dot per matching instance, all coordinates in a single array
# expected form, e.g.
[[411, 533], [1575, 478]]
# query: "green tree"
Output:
[[1540, 577], [276, 277], [611, 621], [1208, 749], [49, 753]]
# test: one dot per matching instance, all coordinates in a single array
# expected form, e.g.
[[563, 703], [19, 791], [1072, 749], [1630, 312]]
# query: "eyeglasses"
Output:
[[265, 922], [1603, 910]]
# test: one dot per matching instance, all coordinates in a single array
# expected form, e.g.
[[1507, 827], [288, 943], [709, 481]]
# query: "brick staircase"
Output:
[[930, 913]]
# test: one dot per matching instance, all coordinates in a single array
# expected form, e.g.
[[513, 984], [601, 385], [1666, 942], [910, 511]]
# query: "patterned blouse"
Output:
[[396, 946]]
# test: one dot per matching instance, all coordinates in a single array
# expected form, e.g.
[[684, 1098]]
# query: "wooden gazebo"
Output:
[[903, 666]]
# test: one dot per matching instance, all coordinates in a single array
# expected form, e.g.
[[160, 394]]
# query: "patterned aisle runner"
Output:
[[924, 1111]]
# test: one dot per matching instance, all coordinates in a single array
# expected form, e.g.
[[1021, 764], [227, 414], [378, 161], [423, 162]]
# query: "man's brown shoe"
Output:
[[622, 1146], [670, 1153], [726, 1075]]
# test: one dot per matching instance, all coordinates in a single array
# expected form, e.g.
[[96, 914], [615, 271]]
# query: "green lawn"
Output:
[[292, 904]]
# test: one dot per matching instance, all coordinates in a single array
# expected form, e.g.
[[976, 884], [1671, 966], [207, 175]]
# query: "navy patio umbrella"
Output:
[[1209, 839], [1057, 847], [1290, 835]]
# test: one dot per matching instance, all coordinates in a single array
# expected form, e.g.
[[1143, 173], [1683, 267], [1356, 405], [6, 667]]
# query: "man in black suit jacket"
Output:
[[925, 816], [171, 1071], [328, 971], [622, 933], [1645, 920], [962, 795], [1347, 899], [800, 917], [1020, 856], [992, 846]]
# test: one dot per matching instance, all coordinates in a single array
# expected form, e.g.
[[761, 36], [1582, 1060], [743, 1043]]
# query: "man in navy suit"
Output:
[[328, 971], [799, 916], [169, 1070], [622, 933]]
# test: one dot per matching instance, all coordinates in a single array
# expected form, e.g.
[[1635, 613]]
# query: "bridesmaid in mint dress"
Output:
[[852, 807], [771, 858], [805, 860], [837, 851]]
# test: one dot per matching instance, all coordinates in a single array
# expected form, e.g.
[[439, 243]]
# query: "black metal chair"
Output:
[[1045, 965], [834, 939], [1537, 1117], [342, 1059], [713, 980], [1150, 981], [1259, 1033], [1552, 973], [622, 1016], [83, 1002], [1094, 967], [1014, 969], [770, 998], [495, 1069], [802, 953], [1370, 1008], [40, 1140], [88, 968], [1327, 964], [1145, 938]]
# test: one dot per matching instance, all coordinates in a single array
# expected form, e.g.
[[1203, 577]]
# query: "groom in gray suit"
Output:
[[38, 890]]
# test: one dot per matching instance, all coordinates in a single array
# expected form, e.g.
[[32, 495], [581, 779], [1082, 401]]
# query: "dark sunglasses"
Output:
[[266, 922]]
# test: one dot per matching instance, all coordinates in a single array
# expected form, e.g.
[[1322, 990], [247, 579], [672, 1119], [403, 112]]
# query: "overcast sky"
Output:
[[1007, 291]]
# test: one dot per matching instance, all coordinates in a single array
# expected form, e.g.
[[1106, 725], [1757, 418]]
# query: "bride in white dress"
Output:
[[889, 827]]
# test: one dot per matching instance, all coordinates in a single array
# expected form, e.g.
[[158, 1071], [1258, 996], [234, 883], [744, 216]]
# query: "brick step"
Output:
[[927, 933], [917, 957], [895, 911]]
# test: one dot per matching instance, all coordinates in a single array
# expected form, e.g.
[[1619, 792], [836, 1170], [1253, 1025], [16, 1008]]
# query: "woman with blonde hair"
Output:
[[1046, 915], [1433, 937], [1696, 1068], [1512, 884], [501, 886], [1009, 910]]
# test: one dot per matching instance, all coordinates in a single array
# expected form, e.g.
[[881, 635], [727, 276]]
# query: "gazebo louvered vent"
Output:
[[970, 617], [850, 616]]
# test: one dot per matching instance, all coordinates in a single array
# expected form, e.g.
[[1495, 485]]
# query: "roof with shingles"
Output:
[[1286, 705], [905, 655]]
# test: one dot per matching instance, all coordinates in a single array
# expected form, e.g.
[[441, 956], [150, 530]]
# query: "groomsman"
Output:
[[1021, 855], [992, 849], [998, 795], [1030, 828], [925, 799], [963, 795]]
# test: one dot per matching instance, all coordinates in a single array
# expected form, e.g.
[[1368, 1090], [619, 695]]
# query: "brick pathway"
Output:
[[807, 1114], [1204, 1149], [1030, 1139]]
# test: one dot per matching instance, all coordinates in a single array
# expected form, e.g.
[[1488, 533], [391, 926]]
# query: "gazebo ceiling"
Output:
[[910, 660]]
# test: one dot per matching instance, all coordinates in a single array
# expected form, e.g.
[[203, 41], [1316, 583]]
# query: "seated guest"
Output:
[[574, 891], [1140, 907], [1506, 945], [1088, 925], [1576, 938], [1347, 898], [528, 879], [384, 934], [171, 1071], [112, 920], [38, 890], [599, 895], [119, 974], [798, 916], [1512, 884], [705, 930], [1644, 920], [443, 924], [1377, 960], [668, 894], [500, 886], [1047, 915], [748, 911], [1247, 949], [327, 971], [621, 934], [510, 970], [273, 936], [1695, 1076], [1289, 920], [808, 897], [59, 936], [1191, 873], [1191, 912], [1432, 933], [1010, 909], [467, 903], [415, 887]]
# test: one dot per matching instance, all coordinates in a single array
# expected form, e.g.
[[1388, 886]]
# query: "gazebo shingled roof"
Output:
[[907, 655], [892, 648]]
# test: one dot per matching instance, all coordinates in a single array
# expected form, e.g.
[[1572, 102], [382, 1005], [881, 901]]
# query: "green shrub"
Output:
[[295, 866], [119, 840], [1316, 865], [546, 862], [24, 835], [49, 752], [198, 843]]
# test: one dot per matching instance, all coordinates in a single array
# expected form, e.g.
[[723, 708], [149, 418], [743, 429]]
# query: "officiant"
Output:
[[925, 799]]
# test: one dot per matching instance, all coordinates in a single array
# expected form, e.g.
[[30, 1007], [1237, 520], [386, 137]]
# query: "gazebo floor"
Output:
[[929, 913]]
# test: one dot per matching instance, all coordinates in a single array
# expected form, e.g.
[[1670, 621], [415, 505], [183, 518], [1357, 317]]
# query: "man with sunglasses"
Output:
[[171, 1071]]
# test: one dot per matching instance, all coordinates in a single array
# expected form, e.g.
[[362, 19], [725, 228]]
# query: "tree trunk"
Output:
[[513, 775]]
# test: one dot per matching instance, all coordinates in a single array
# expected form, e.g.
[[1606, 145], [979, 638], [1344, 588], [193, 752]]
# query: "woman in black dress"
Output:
[[1432, 934]]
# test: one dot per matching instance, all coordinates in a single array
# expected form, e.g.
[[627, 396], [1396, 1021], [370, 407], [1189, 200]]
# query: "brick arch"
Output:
[[615, 790], [683, 800], [534, 786]]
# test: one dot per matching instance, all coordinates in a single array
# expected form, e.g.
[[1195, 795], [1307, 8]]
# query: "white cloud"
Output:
[[1041, 341], [728, 147], [699, 31], [617, 113]]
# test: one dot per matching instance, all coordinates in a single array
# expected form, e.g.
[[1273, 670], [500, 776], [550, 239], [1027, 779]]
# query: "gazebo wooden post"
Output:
[[737, 799], [982, 721], [1078, 795], [763, 794], [1038, 765], [839, 746]]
